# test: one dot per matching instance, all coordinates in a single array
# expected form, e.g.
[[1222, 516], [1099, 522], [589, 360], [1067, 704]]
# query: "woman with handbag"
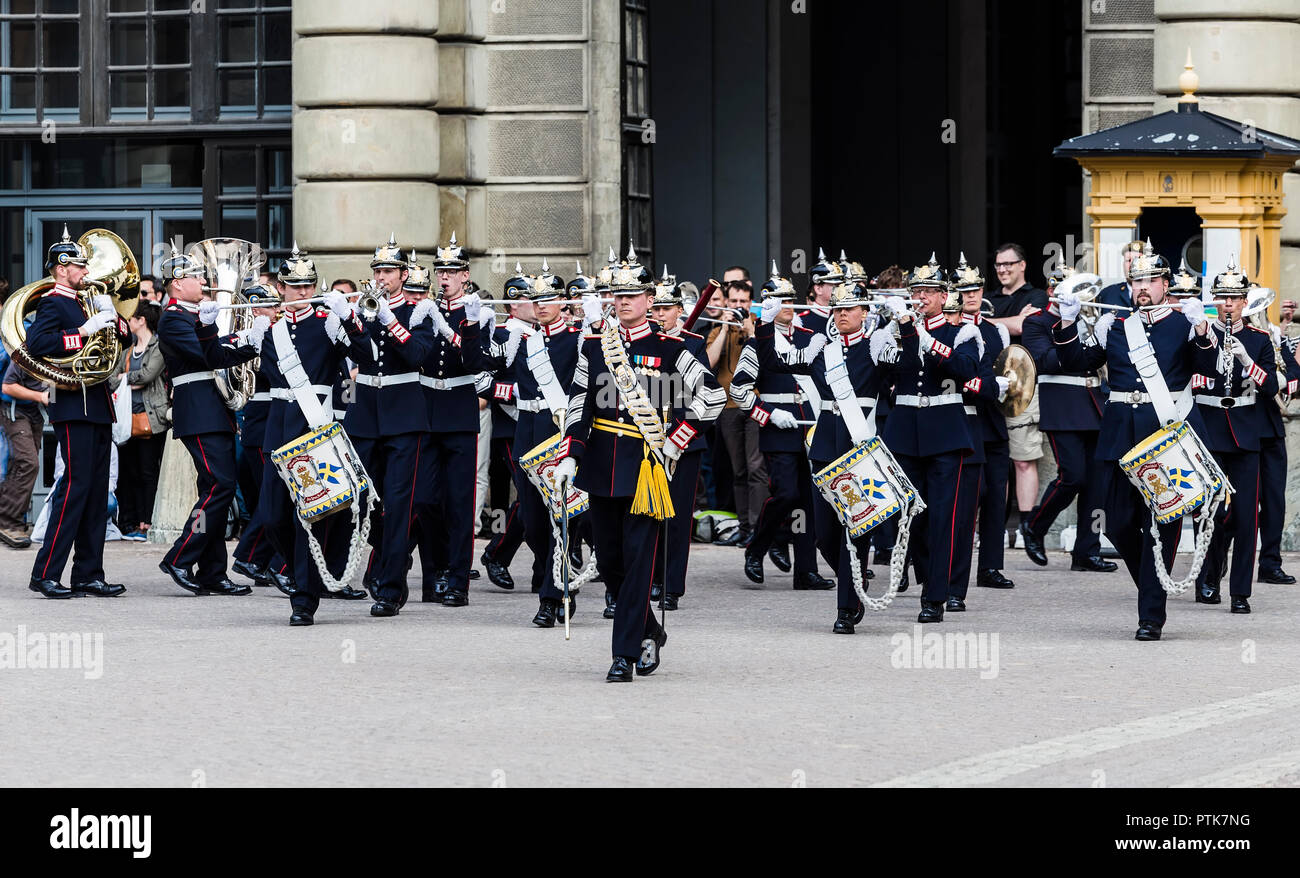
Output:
[[141, 455]]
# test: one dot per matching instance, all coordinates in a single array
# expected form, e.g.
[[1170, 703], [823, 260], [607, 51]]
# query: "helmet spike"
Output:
[[775, 271], [578, 262], [631, 253], [843, 257], [519, 270], [67, 239], [821, 255], [546, 269], [453, 238], [612, 257]]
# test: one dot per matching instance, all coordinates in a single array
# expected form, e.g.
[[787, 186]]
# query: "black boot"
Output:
[[956, 605], [497, 573], [754, 568], [546, 613], [609, 606], [931, 611], [1033, 545], [812, 581], [1093, 564], [1208, 594], [780, 556], [572, 609], [844, 620], [50, 588], [993, 579], [1240, 604], [620, 671]]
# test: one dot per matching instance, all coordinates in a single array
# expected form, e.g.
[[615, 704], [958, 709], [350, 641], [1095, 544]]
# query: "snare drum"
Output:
[[1174, 471], [539, 465], [323, 471], [867, 486]]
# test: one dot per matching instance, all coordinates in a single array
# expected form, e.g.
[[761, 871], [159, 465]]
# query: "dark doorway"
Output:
[[1175, 234]]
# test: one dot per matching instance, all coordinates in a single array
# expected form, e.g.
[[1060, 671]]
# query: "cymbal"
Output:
[[1017, 366]]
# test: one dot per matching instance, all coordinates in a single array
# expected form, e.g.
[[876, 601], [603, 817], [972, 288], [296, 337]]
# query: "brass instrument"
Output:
[[1258, 301], [229, 264], [368, 303], [1087, 287], [114, 272], [1016, 365]]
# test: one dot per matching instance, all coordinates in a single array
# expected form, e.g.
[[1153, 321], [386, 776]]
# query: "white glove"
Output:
[[103, 303], [261, 324], [924, 339], [1194, 311], [771, 307], [99, 320], [473, 307], [671, 451], [898, 308], [251, 337], [590, 310], [1238, 350], [1003, 384], [814, 347], [440, 324], [208, 311], [512, 346], [385, 313], [565, 470], [782, 420], [339, 304], [1070, 307]]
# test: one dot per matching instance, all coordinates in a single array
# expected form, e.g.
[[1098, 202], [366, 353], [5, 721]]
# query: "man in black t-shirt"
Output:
[[1011, 304]]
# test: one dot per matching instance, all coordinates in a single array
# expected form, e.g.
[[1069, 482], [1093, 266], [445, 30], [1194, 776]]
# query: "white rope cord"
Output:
[[362, 532], [1202, 547], [561, 558], [897, 561]]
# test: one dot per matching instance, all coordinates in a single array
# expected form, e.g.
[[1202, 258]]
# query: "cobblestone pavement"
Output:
[[1040, 685]]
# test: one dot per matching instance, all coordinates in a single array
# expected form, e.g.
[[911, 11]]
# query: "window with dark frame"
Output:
[[101, 62], [638, 208], [250, 195], [40, 51]]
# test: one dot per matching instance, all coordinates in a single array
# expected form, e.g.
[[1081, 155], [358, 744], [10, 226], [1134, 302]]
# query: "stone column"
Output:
[[365, 135], [1246, 54], [530, 132], [177, 493]]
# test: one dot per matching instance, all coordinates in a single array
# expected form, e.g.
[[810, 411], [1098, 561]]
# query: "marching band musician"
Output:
[[82, 423], [543, 360], [1231, 387], [618, 447], [385, 421], [669, 583], [255, 555], [187, 334], [985, 473], [448, 460], [928, 431], [501, 548], [1130, 415], [823, 278], [307, 349], [1273, 462], [778, 400], [1071, 403]]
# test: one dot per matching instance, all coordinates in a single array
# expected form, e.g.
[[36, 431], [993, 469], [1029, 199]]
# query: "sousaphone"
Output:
[[114, 272]]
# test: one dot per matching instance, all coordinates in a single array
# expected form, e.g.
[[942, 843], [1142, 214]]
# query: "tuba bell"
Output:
[[113, 271], [229, 264]]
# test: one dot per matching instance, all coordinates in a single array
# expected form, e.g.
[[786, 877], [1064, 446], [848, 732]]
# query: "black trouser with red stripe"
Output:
[[937, 478], [625, 546], [1272, 500], [78, 504], [254, 544], [678, 528], [392, 463], [203, 540], [967, 504], [507, 531], [444, 505], [1128, 527], [1235, 525], [995, 474], [536, 520], [789, 483], [832, 542], [1078, 474]]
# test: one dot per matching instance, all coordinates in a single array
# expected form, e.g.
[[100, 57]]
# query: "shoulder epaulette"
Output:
[[1257, 329]]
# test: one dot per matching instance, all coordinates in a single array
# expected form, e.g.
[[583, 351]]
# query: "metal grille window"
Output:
[[638, 208], [253, 57], [40, 50], [149, 58], [251, 194]]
